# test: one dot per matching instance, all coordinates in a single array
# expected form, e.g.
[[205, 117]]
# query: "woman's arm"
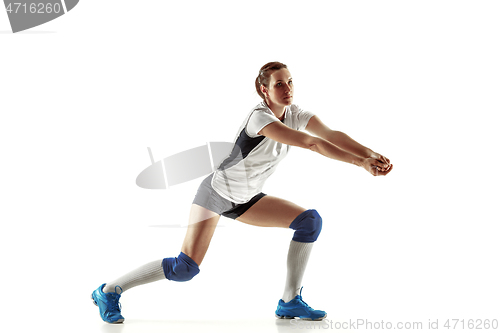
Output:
[[375, 166], [284, 134], [340, 139], [345, 142]]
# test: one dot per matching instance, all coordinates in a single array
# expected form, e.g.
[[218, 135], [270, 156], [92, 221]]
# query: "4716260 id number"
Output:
[[33, 8], [463, 324]]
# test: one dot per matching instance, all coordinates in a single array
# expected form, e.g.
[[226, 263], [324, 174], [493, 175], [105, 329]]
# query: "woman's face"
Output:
[[280, 91]]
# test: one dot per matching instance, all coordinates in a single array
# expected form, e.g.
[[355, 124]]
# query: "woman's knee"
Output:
[[181, 268], [307, 226]]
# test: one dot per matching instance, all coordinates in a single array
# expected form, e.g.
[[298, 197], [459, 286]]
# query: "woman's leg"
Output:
[[202, 223], [271, 212], [275, 212]]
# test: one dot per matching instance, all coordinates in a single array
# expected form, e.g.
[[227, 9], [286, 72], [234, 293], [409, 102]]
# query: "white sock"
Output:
[[298, 255], [148, 273]]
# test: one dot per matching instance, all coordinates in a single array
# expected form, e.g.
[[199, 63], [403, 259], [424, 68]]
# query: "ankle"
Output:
[[289, 295], [112, 289]]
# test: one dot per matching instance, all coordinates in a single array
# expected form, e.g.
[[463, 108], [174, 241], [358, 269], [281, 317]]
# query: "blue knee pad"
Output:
[[307, 226], [180, 269]]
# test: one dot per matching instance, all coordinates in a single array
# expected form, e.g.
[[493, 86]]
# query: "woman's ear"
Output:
[[264, 90]]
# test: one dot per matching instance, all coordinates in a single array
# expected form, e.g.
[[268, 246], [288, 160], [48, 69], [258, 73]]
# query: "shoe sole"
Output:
[[309, 319], [119, 321]]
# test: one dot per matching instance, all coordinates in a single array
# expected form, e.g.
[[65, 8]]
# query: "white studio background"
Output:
[[83, 96]]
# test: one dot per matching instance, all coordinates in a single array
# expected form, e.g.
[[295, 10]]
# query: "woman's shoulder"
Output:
[[294, 108]]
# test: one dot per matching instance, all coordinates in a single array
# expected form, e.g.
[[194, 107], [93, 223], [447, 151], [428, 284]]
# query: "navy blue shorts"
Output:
[[208, 198]]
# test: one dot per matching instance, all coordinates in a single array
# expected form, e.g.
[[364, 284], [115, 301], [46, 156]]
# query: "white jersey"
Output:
[[255, 157]]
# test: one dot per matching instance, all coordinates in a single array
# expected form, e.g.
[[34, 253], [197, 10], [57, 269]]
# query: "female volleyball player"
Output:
[[234, 191]]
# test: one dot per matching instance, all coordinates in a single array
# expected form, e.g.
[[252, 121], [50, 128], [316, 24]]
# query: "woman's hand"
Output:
[[377, 164], [380, 158]]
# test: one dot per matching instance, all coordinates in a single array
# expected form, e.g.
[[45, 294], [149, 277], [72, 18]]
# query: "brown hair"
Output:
[[264, 75]]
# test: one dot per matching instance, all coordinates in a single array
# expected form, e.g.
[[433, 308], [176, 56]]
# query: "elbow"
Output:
[[314, 148], [313, 143]]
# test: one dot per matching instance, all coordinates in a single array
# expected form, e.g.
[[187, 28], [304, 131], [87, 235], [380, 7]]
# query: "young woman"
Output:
[[234, 191]]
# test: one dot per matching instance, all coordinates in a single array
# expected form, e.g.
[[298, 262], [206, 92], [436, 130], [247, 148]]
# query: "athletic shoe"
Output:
[[298, 308], [109, 307]]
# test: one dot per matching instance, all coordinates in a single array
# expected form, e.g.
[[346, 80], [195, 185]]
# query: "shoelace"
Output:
[[113, 304], [303, 302]]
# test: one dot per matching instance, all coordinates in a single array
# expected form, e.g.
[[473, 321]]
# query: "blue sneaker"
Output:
[[108, 304], [298, 308]]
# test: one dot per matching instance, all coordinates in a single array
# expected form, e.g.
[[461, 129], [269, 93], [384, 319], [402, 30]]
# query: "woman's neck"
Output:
[[278, 110]]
